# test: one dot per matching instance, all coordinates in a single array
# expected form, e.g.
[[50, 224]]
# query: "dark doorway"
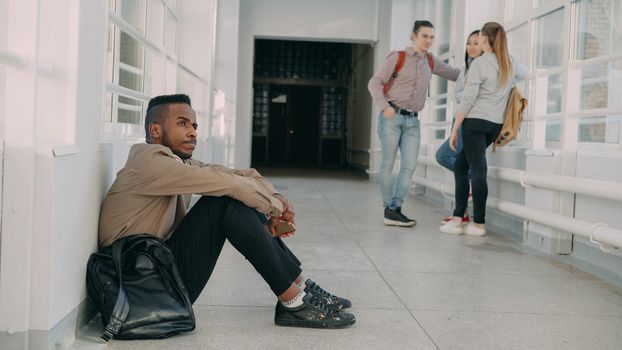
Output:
[[293, 133], [300, 103], [304, 121]]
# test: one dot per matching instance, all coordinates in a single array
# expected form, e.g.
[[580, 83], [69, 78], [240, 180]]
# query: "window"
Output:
[[443, 32], [600, 87], [598, 28], [518, 43], [141, 33], [550, 43], [438, 107], [517, 8], [598, 34]]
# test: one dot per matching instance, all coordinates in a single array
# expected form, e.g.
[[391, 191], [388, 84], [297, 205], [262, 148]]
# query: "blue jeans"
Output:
[[403, 133], [445, 156]]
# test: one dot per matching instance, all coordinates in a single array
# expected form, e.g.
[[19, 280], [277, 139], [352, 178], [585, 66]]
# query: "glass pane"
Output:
[[110, 54], [430, 10], [170, 33], [518, 43], [131, 65], [546, 2], [525, 131], [600, 85], [440, 110], [439, 134], [441, 85], [129, 110], [592, 129], [517, 8], [554, 94], [553, 130], [599, 30], [444, 27], [134, 12], [440, 114], [131, 51], [604, 129], [155, 22], [550, 42], [131, 80], [261, 108]]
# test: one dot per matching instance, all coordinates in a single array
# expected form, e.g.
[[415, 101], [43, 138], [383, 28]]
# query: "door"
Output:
[[278, 140], [293, 135], [304, 126]]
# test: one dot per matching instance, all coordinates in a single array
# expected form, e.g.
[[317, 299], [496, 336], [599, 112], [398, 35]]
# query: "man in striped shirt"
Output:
[[398, 122]]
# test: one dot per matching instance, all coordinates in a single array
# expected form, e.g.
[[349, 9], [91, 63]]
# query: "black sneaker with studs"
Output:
[[332, 301], [313, 313], [394, 217]]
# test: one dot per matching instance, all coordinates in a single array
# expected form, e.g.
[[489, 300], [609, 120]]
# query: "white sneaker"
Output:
[[473, 230], [452, 227]]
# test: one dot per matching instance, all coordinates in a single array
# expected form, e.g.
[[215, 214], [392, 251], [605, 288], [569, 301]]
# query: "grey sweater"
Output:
[[482, 97]]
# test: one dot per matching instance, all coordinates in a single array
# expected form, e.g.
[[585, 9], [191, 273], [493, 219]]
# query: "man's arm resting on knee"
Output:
[[249, 173], [167, 176]]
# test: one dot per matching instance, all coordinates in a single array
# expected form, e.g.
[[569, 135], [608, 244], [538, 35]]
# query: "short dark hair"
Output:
[[419, 24], [156, 111]]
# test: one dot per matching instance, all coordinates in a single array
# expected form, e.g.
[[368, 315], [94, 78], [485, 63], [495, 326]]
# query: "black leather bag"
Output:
[[135, 285]]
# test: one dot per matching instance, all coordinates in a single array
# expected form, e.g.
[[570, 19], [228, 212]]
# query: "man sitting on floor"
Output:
[[151, 195]]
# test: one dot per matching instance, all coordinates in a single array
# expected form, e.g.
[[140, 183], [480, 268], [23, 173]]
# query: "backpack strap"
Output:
[[122, 306], [430, 62], [401, 59]]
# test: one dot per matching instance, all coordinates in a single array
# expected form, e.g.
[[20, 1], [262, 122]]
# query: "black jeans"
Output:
[[477, 135], [199, 238]]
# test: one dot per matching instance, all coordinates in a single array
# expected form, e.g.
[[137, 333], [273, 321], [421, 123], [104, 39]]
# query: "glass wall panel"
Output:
[[599, 32], [550, 40]]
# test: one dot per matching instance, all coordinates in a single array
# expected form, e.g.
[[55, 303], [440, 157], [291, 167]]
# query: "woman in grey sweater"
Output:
[[445, 156], [480, 117]]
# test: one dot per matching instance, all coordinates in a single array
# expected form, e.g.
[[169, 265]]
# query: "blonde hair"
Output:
[[497, 39]]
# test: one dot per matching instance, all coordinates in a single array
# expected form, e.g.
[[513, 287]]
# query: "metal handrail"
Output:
[[602, 235]]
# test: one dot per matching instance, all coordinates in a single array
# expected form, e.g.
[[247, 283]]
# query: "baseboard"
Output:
[[77, 326]]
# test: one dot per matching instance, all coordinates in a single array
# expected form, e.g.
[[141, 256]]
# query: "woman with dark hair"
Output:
[[479, 117], [399, 88], [445, 156]]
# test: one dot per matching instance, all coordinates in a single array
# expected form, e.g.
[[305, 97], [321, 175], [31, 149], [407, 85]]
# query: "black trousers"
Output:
[[199, 238], [477, 135]]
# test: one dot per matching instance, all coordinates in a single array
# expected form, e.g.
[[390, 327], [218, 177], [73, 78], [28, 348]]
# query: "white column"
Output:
[[19, 169]]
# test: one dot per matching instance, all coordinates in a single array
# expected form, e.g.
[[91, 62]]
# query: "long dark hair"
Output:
[[467, 61], [497, 39]]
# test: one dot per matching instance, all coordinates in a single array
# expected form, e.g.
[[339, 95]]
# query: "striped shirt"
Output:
[[410, 88]]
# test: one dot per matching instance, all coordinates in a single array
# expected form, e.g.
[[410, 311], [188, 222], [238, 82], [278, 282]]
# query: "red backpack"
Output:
[[398, 66]]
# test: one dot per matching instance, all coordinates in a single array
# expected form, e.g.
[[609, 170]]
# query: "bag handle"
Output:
[[122, 306]]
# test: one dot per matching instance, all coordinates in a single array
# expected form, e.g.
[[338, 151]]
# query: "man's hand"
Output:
[[288, 209], [389, 112]]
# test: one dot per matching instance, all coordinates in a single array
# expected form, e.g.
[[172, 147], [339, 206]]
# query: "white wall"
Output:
[[54, 190], [321, 20], [58, 165]]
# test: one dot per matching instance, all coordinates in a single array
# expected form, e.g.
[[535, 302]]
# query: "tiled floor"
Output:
[[412, 288]]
